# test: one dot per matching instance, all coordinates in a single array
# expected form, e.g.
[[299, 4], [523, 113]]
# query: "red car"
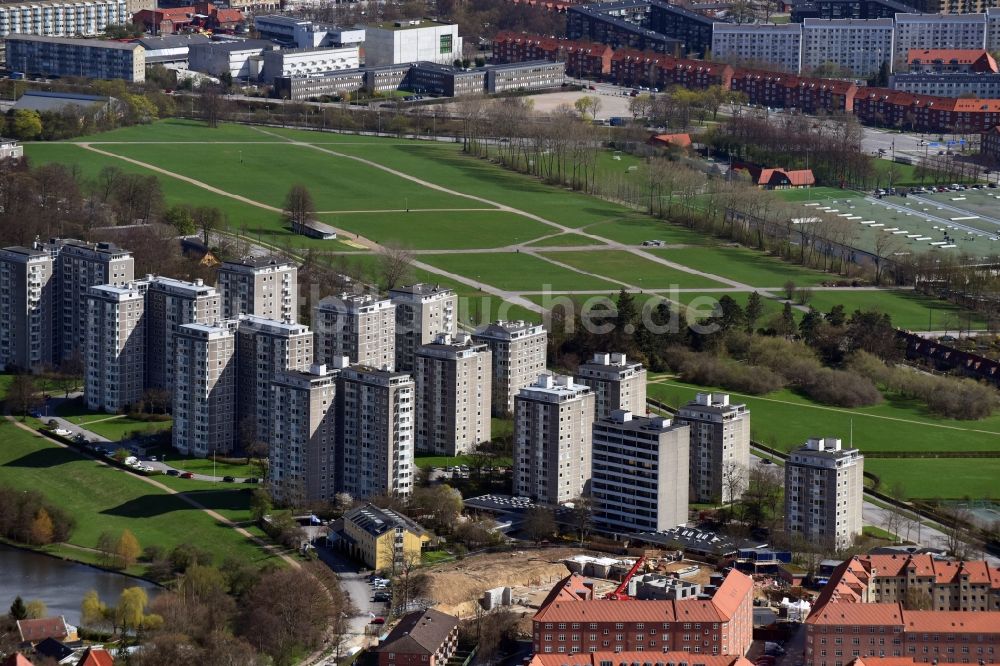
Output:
[[378, 620], [187, 475]]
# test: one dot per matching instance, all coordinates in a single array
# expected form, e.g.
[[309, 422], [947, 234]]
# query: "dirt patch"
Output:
[[456, 585]]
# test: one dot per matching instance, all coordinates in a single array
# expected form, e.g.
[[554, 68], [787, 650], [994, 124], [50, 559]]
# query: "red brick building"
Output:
[[990, 143], [427, 638], [633, 658], [631, 67], [838, 632], [201, 16], [572, 620], [951, 60], [582, 58]]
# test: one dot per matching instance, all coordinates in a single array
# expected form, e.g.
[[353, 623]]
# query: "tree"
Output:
[[130, 613], [588, 104], [753, 311], [395, 266], [41, 528], [17, 609], [582, 517], [208, 219], [210, 104], [23, 395], [25, 124], [180, 218], [93, 612], [299, 205], [285, 614], [36, 609], [786, 323], [106, 547], [260, 504], [789, 289], [539, 523], [640, 105], [127, 550]]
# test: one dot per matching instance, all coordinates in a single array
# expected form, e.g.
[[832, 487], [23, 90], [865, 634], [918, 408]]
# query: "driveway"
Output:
[[356, 585]]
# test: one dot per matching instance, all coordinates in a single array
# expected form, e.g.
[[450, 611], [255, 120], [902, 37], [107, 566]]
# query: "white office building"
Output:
[[407, 41], [762, 45], [308, 62], [824, 492], [304, 34], [639, 480], [857, 45]]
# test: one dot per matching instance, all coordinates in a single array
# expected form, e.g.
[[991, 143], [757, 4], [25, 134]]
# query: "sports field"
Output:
[[498, 238]]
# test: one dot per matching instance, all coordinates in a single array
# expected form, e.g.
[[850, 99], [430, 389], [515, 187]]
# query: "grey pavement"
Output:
[[353, 580]]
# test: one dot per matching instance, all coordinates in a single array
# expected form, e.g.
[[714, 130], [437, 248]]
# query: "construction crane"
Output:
[[619, 594]]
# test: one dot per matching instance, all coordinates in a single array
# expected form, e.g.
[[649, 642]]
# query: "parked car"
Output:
[[62, 432], [187, 475], [229, 479], [378, 620], [173, 472]]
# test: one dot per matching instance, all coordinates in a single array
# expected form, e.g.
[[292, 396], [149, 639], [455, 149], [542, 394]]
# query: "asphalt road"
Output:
[[355, 584]]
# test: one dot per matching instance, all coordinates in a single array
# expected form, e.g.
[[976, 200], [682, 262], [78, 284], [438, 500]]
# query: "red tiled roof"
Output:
[[957, 56], [572, 601], [891, 661], [96, 657], [37, 630], [16, 660], [859, 614], [681, 140], [229, 15], [953, 622], [630, 658]]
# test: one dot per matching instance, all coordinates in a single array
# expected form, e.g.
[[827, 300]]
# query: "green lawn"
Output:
[[908, 309], [268, 171], [207, 467], [785, 420], [104, 498], [424, 461], [631, 269], [944, 478], [815, 194], [176, 130], [459, 230], [516, 271], [122, 427], [746, 266]]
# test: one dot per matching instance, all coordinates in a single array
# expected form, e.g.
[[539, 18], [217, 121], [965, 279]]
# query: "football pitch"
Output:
[[500, 239]]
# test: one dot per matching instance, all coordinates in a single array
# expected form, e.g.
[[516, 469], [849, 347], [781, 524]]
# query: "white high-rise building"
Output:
[[170, 304], [26, 308], [303, 438], [639, 479], [857, 45], [360, 327], [763, 45], [720, 447], [937, 31], [406, 40], [519, 350], [263, 286], [553, 421], [115, 350], [375, 426], [265, 347], [824, 492], [62, 18], [453, 379], [205, 389], [423, 311], [617, 383]]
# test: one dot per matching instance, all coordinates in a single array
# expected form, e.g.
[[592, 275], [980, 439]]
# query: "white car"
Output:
[[62, 432]]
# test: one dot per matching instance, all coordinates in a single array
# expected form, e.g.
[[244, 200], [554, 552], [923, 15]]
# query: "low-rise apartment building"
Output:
[[422, 638], [839, 632], [573, 620], [917, 581], [976, 86], [940, 61], [381, 538], [532, 75], [639, 473], [453, 395], [582, 58], [553, 421], [86, 58]]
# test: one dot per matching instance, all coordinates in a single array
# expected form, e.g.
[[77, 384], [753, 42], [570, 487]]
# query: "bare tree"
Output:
[[885, 246], [299, 204], [395, 266], [23, 395]]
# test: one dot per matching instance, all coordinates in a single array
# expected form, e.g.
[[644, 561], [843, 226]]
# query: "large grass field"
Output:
[[908, 309], [944, 478], [435, 230], [747, 266], [631, 269], [784, 420], [104, 498], [517, 271]]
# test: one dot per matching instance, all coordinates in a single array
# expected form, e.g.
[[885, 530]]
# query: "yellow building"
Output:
[[381, 538]]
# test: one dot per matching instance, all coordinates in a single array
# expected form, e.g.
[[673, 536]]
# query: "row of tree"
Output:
[[26, 516]]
